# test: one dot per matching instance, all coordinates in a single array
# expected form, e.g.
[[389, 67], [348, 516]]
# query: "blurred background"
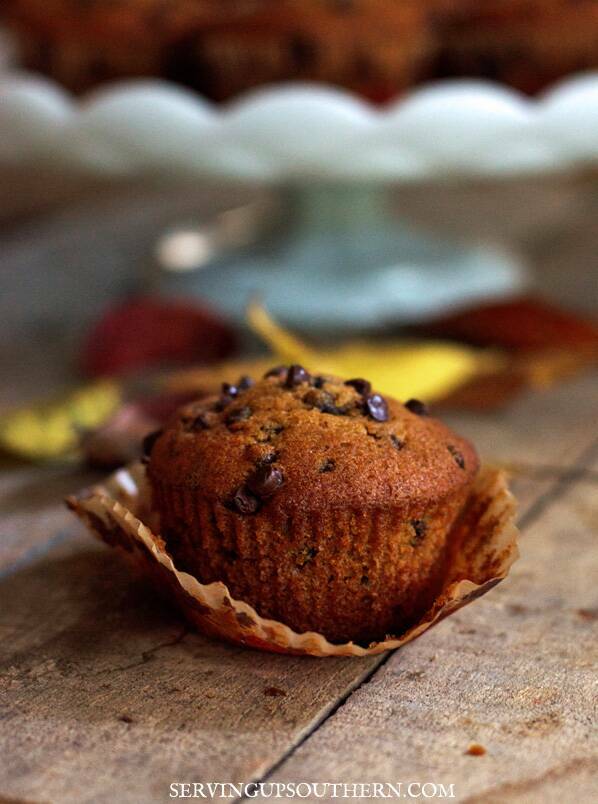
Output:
[[196, 189]]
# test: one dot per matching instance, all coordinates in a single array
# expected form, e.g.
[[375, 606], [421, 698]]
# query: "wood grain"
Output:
[[105, 696], [31, 510], [550, 428], [515, 673]]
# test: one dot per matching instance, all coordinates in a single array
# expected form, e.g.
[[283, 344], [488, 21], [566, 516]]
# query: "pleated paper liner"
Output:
[[483, 546]]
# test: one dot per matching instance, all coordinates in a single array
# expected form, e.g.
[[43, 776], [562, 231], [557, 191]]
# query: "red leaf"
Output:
[[521, 324], [147, 332]]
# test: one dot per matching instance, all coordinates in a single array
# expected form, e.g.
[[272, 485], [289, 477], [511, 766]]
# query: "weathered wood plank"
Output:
[[549, 428], [105, 696], [31, 509], [84, 652], [515, 673]]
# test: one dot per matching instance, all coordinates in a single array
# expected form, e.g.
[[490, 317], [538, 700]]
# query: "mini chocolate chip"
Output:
[[245, 382], [265, 480], [148, 443], [365, 580], [376, 407], [229, 390], [268, 458], [417, 407], [268, 432], [397, 443], [419, 526], [305, 555], [329, 465], [458, 456], [296, 375], [311, 553], [239, 415], [277, 371], [223, 402], [318, 382], [335, 410], [362, 387], [244, 501], [199, 422]]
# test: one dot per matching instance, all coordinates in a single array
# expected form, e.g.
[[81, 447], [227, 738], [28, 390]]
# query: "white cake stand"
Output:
[[344, 259]]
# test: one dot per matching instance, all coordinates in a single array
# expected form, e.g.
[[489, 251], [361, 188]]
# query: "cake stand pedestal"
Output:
[[342, 259]]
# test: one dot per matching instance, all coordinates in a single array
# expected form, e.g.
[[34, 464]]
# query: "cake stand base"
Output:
[[344, 261]]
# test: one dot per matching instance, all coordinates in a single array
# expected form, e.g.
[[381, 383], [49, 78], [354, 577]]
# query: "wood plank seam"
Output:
[[556, 491], [329, 712], [561, 485], [35, 552]]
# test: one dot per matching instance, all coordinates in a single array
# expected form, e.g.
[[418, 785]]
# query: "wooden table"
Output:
[[106, 696]]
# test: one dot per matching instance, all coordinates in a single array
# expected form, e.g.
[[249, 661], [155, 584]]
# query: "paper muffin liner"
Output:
[[482, 548]]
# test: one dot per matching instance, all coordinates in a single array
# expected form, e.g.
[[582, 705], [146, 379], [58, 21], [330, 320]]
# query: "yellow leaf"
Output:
[[51, 430], [426, 369]]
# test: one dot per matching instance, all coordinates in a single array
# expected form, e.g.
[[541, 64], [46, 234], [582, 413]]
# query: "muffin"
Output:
[[317, 501], [378, 48]]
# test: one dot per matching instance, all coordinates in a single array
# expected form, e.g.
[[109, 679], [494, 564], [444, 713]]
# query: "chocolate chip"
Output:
[[335, 410], [239, 415], [229, 390], [376, 407], [318, 382], [244, 501], [277, 371], [458, 456], [223, 402], [296, 375], [417, 407], [362, 387], [397, 443], [197, 423], [268, 432], [419, 527], [148, 443], [265, 480], [305, 555], [245, 382], [329, 465], [268, 458]]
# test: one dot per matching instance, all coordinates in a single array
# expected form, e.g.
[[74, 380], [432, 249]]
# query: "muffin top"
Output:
[[297, 440]]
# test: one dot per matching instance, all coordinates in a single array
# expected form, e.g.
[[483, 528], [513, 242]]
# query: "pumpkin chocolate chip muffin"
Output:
[[316, 500]]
